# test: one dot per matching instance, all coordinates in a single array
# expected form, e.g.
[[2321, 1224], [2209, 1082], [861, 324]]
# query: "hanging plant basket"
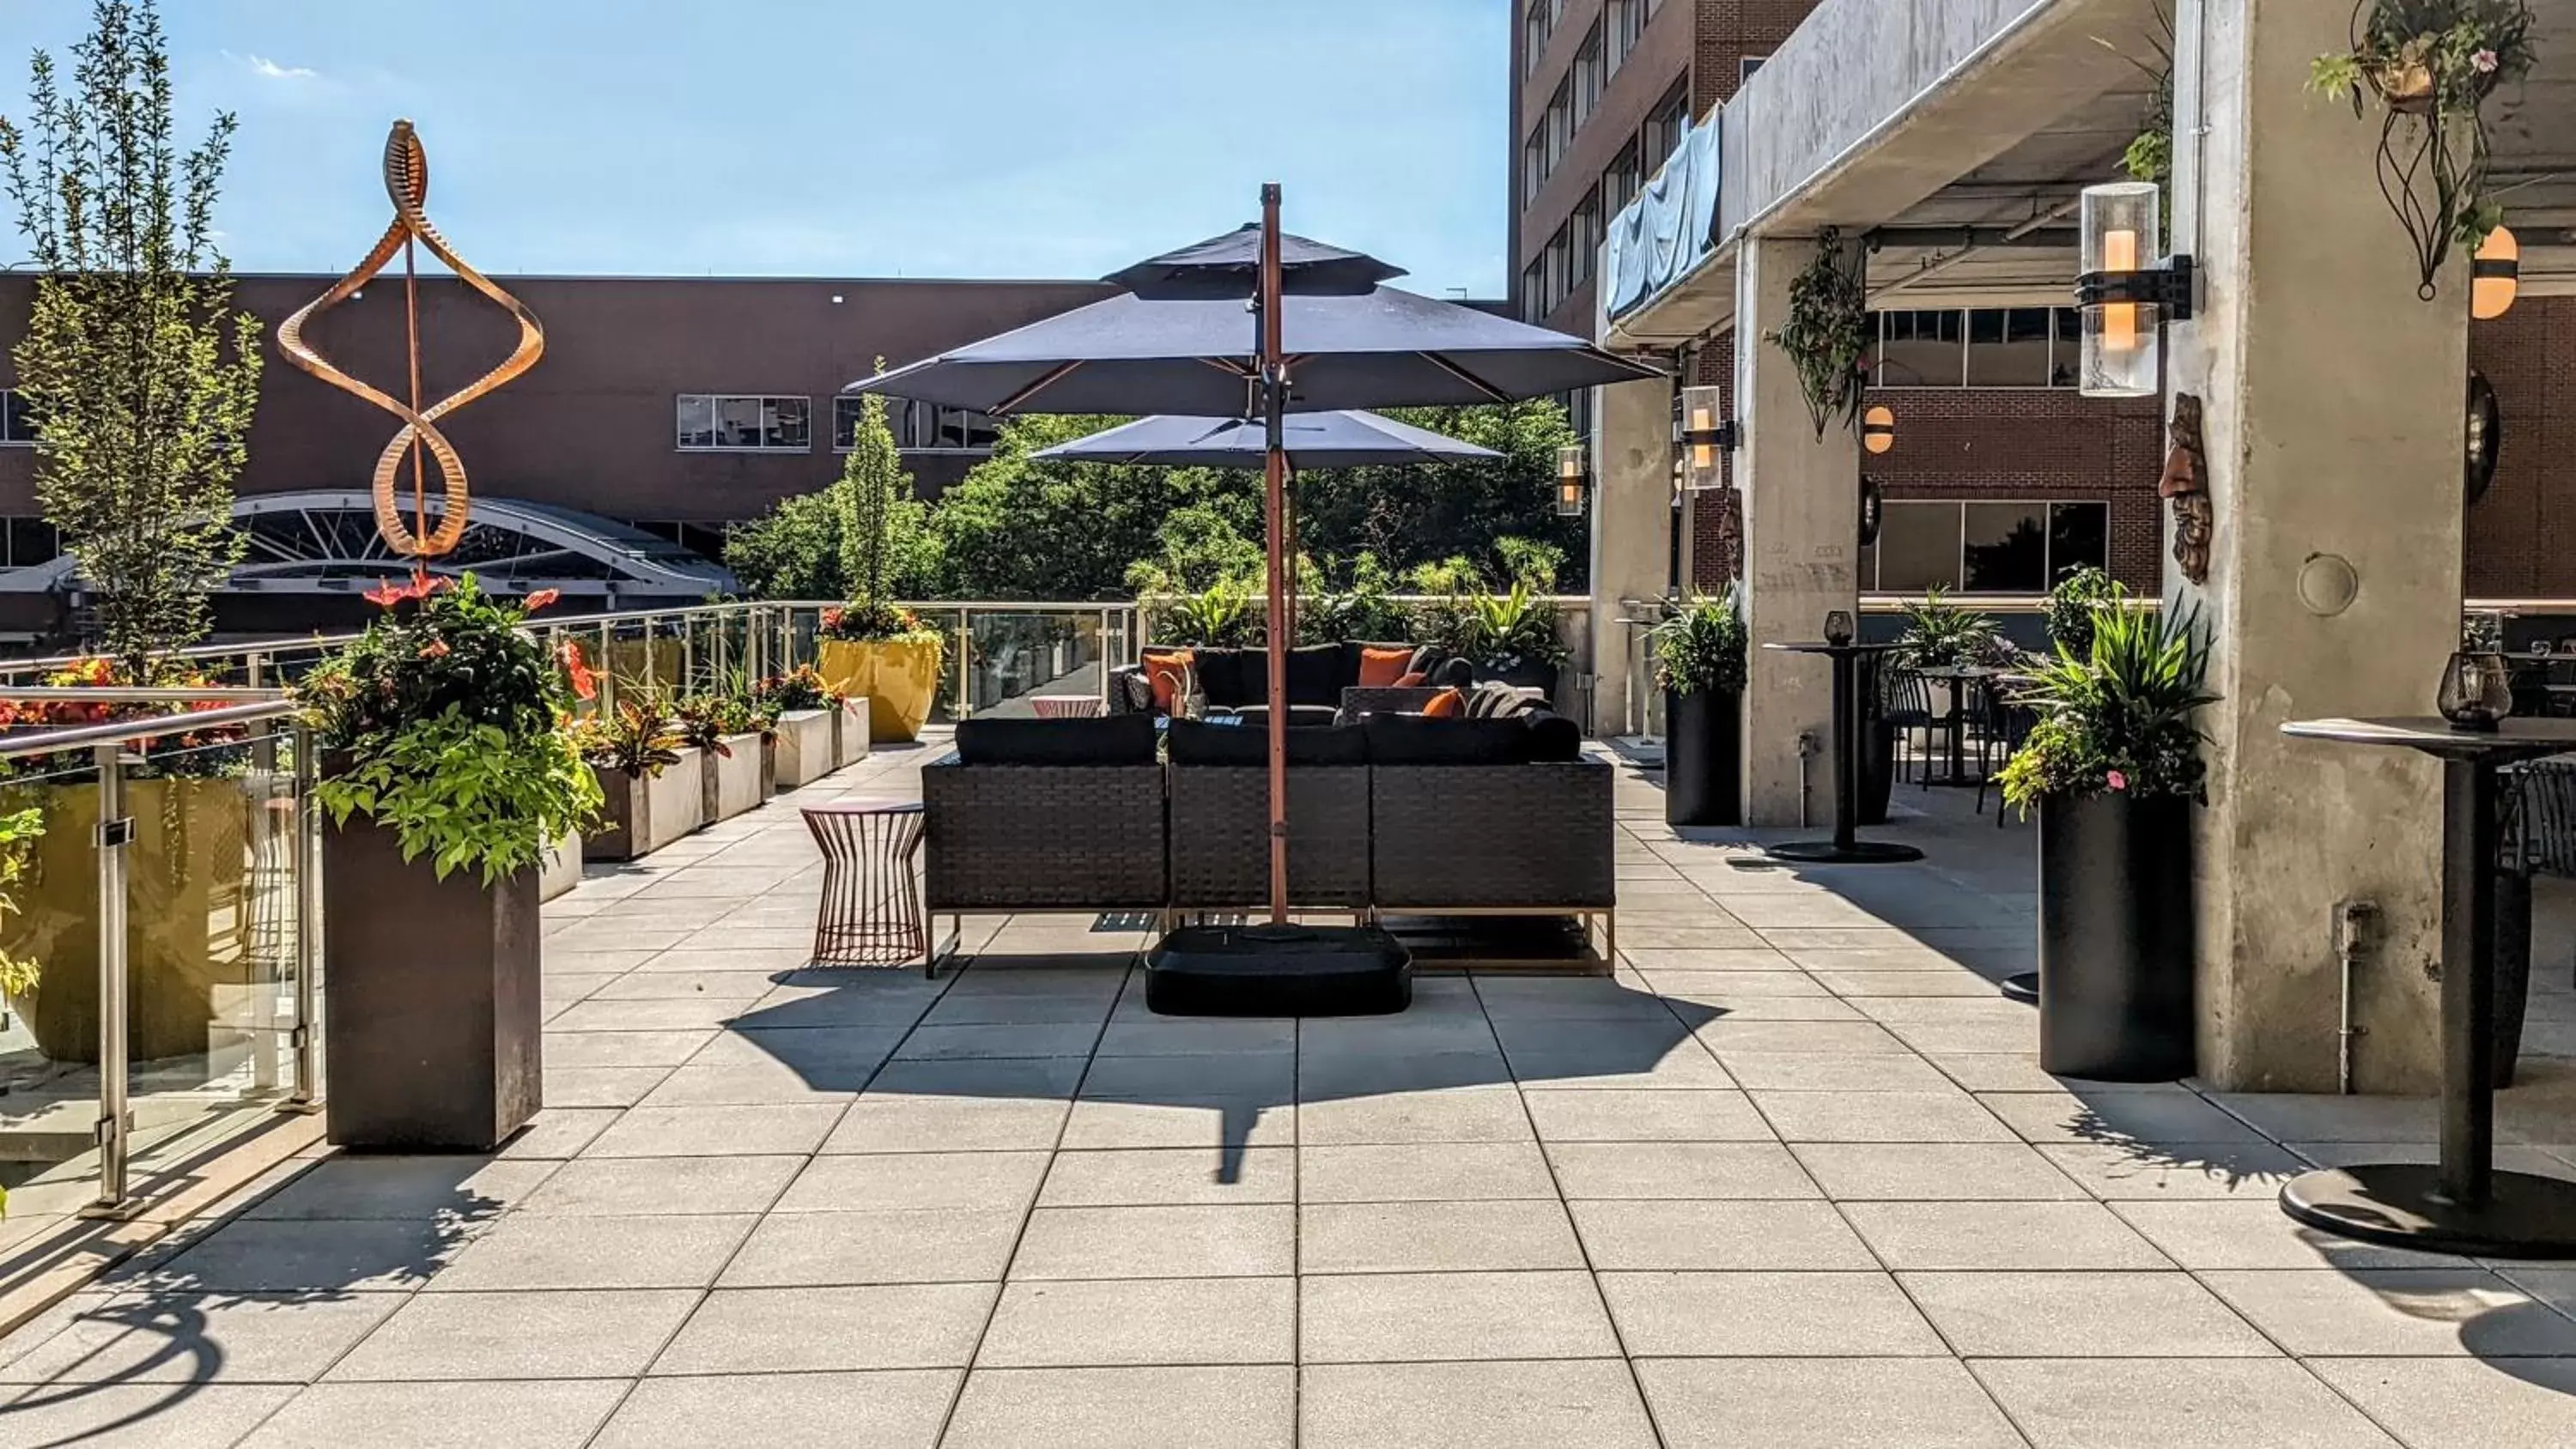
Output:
[[2432, 65], [1827, 333]]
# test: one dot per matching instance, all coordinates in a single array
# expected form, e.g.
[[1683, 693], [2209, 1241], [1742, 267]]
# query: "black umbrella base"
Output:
[[1265, 970], [2023, 988], [2400, 1205], [1859, 852]]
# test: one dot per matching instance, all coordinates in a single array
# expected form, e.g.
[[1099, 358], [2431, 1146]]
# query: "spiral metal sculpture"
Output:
[[407, 182]]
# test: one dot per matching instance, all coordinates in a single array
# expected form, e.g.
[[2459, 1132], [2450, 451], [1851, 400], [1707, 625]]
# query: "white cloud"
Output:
[[267, 69]]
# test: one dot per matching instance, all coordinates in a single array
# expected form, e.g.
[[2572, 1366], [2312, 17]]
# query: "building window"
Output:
[[1922, 349], [1746, 66], [1534, 26], [1665, 125], [17, 430], [1533, 291], [2008, 348], [1622, 180], [929, 428], [1560, 124], [28, 542], [1584, 236], [707, 540], [1533, 166], [1626, 25], [1980, 347], [1985, 547], [1591, 76], [1578, 413], [729, 423], [1560, 271]]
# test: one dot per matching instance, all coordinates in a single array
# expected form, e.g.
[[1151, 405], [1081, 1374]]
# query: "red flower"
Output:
[[831, 618], [542, 598], [584, 683], [434, 649], [388, 594]]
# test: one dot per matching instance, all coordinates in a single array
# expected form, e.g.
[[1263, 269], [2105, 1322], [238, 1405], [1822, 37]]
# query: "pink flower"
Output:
[[2118, 781], [2484, 62]]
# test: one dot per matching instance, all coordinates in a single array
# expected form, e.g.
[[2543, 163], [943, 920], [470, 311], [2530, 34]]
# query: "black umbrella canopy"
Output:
[[1313, 440], [1228, 268], [1387, 348]]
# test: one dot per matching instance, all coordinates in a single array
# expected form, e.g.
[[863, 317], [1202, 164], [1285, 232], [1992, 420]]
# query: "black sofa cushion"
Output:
[[1196, 742], [1229, 677], [1553, 739], [1118, 739], [1409, 739], [1315, 674]]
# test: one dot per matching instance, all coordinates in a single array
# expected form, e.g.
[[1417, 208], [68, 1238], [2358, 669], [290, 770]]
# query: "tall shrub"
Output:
[[138, 374]]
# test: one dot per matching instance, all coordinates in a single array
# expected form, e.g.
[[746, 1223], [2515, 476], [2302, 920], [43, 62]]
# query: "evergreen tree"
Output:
[[139, 377]]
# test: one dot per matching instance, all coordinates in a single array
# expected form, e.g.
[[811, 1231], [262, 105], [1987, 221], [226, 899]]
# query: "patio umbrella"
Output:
[[1313, 440], [1308, 353], [1228, 267]]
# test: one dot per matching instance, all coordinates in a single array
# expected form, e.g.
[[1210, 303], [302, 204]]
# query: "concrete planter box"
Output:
[[731, 777], [644, 815], [851, 737], [433, 1018], [805, 747], [560, 870]]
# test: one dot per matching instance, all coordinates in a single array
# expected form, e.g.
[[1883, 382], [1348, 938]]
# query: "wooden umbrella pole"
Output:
[[1274, 397]]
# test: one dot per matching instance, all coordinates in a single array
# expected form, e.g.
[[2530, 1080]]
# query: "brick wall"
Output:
[[1731, 30], [2522, 534]]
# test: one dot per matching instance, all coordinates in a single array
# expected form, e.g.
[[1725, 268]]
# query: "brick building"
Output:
[[1999, 465]]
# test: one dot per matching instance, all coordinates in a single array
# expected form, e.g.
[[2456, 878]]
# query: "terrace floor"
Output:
[[1792, 1179]]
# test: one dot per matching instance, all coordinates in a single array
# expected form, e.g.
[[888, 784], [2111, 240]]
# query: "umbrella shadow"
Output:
[[1081, 1033]]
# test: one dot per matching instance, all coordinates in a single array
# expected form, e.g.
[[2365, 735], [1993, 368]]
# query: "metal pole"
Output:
[[264, 834], [308, 917], [607, 667], [965, 668], [1274, 395], [112, 833]]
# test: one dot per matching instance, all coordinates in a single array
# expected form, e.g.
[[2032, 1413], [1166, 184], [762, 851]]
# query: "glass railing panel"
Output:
[[49, 1047], [1016, 657]]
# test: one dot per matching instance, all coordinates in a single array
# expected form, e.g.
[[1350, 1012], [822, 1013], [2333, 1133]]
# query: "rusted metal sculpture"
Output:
[[2186, 484], [407, 182]]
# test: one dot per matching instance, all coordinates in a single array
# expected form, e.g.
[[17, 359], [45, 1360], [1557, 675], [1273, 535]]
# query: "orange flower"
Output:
[[434, 649], [542, 598], [584, 683], [388, 594]]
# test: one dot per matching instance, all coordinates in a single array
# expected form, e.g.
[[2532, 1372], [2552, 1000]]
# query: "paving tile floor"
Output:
[[1792, 1178]]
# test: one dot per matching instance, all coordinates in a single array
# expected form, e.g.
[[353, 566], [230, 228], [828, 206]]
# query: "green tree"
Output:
[[139, 377], [1426, 514], [825, 545], [1016, 528], [791, 552]]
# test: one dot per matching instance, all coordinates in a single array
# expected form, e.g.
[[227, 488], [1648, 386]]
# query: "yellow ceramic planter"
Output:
[[898, 677]]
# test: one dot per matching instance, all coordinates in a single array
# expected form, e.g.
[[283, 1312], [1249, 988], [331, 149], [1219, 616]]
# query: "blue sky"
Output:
[[977, 138]]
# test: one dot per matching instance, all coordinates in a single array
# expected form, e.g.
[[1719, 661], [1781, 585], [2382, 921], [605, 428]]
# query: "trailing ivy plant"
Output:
[[1827, 333], [2433, 64], [2116, 719], [1701, 649], [444, 723]]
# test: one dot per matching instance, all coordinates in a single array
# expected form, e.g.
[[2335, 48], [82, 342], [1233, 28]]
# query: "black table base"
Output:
[[2023, 988], [1858, 852], [2401, 1205]]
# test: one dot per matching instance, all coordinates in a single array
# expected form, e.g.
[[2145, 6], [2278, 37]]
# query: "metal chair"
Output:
[[1906, 703]]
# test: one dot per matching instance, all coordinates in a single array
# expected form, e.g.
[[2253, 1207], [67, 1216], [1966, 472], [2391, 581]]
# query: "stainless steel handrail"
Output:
[[122, 732]]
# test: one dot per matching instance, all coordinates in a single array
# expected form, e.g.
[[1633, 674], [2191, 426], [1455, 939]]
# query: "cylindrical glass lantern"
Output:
[[1703, 414], [1570, 462], [2123, 341]]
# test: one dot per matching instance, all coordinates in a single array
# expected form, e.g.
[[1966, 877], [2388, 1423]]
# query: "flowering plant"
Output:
[[187, 752], [634, 737], [445, 723], [2118, 719], [874, 623], [799, 688]]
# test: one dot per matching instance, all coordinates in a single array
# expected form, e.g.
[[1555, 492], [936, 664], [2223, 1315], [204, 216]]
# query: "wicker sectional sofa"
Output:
[[1392, 815]]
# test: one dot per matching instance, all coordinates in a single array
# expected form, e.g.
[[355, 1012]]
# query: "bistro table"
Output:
[[2463, 1204], [1960, 678], [1067, 706], [1845, 848]]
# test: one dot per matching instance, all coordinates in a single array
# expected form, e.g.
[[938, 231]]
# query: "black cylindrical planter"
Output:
[[2512, 970], [2115, 938], [1877, 767], [1703, 758]]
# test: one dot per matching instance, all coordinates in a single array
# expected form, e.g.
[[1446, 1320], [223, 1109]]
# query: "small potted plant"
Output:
[[654, 788], [447, 770], [726, 734], [802, 708], [2113, 767], [1513, 639], [1699, 664]]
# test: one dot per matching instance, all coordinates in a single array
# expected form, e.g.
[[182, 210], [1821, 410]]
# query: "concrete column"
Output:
[[1801, 543], [2333, 413], [1632, 486]]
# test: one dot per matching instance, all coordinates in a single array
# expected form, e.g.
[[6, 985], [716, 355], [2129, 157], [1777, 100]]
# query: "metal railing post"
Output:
[[308, 917], [112, 833], [723, 636], [264, 832], [607, 666], [965, 669]]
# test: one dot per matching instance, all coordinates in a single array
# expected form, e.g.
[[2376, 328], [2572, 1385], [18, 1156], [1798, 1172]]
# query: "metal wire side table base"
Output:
[[871, 912]]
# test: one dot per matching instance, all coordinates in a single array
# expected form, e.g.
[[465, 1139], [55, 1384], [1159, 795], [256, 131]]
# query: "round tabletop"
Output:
[[2434, 735], [1960, 671], [865, 806], [1819, 646]]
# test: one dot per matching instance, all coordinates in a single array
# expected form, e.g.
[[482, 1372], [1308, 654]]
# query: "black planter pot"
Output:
[[2115, 938], [1877, 768], [1703, 758], [2512, 970], [1523, 674], [431, 990]]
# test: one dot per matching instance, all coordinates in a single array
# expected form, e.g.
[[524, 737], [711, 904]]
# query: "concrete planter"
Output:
[[644, 815], [560, 870], [730, 776], [805, 747], [850, 733], [433, 1017]]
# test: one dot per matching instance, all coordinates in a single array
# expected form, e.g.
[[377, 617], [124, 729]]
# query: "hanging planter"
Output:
[[1827, 333], [2433, 65]]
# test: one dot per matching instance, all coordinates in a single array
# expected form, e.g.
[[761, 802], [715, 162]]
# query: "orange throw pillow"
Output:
[[1411, 681], [1383, 668], [1445, 705], [1163, 670]]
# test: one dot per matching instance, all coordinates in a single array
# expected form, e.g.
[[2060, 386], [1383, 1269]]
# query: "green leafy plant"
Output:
[[1219, 617], [1701, 649], [1515, 630], [798, 689], [2149, 157], [138, 373], [444, 722], [1363, 608], [2073, 604], [1941, 635], [704, 721], [19, 832], [2118, 718], [2433, 64], [635, 737], [1827, 333]]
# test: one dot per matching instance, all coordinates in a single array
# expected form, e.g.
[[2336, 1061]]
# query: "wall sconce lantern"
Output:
[[1702, 435], [1570, 480], [2495, 276], [2485, 436], [2126, 299], [1878, 430], [1873, 510]]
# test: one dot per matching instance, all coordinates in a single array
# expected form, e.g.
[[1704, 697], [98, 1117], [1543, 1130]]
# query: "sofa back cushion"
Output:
[[1406, 739], [1197, 742], [1118, 739], [1229, 678], [1553, 739], [1315, 675]]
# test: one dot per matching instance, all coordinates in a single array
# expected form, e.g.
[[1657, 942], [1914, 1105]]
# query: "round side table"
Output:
[[1067, 706], [871, 911]]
